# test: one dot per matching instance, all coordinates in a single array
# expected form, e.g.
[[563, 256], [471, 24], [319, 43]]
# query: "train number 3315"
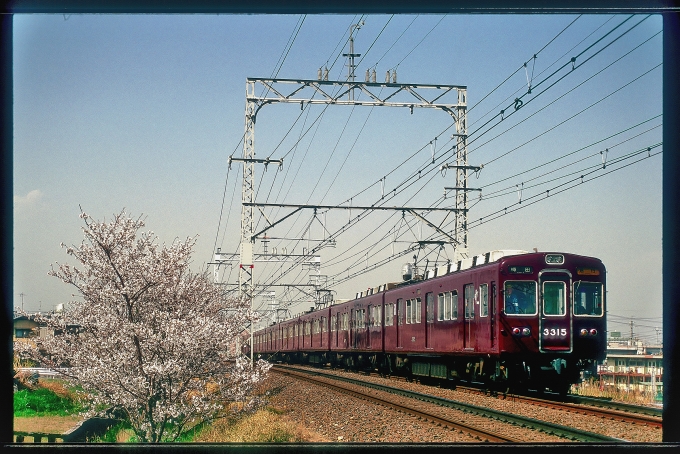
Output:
[[554, 332]]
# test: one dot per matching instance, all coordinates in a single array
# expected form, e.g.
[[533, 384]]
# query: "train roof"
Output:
[[451, 267]]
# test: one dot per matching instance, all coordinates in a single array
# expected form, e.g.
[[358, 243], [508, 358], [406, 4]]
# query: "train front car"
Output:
[[552, 319]]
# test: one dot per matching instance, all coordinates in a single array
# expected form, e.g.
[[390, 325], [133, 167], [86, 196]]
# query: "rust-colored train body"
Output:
[[510, 319]]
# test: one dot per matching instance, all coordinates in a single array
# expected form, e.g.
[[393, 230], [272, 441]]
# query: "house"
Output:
[[25, 326], [632, 366]]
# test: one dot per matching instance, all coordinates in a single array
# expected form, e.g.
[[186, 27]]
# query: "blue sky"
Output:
[[142, 111]]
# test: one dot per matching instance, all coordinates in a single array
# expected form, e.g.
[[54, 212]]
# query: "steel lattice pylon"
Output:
[[396, 95], [460, 232]]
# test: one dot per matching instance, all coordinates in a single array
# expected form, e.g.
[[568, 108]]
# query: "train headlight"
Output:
[[593, 332], [584, 332], [516, 331], [526, 331]]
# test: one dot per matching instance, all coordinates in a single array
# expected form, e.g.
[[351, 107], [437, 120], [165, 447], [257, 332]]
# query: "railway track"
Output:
[[568, 433], [611, 411]]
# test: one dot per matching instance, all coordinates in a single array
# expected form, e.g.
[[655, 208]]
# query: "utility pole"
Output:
[[631, 330]]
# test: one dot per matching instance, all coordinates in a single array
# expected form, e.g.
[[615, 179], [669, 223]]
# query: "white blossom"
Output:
[[147, 337]]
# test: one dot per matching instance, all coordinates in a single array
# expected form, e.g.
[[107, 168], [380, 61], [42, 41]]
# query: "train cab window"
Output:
[[484, 300], [588, 298], [520, 297], [469, 290], [554, 296]]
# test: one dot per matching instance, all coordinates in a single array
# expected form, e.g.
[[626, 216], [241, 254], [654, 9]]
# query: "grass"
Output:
[[264, 426], [591, 388], [44, 402]]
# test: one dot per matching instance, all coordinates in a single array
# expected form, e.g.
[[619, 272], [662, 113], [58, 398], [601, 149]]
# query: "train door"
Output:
[[554, 311], [369, 325], [352, 328], [401, 309], [469, 321], [429, 319], [492, 314]]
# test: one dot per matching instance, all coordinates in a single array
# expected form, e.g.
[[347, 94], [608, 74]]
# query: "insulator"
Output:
[[373, 76], [368, 75], [394, 76], [325, 74], [387, 77], [319, 74]]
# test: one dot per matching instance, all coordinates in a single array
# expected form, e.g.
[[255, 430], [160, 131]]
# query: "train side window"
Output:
[[447, 306], [440, 307], [554, 298], [454, 305], [484, 300], [469, 290], [408, 311], [588, 298], [418, 309]]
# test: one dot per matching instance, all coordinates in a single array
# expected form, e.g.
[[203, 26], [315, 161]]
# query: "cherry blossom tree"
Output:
[[146, 336]]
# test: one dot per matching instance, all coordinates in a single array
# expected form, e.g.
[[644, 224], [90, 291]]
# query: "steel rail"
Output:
[[625, 413], [543, 426], [616, 415], [479, 434], [607, 403]]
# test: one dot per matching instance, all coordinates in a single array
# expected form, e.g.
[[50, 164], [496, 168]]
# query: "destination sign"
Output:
[[520, 269], [587, 271]]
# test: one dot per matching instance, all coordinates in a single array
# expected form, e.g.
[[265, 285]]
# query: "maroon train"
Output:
[[510, 319]]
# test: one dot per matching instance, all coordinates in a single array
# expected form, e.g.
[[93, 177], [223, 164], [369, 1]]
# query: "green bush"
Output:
[[42, 402], [111, 435]]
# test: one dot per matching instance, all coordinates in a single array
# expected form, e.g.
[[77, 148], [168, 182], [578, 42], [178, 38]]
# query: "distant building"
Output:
[[25, 326], [632, 366]]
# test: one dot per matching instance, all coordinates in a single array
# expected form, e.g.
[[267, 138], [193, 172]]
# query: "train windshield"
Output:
[[554, 298], [588, 298], [520, 297]]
